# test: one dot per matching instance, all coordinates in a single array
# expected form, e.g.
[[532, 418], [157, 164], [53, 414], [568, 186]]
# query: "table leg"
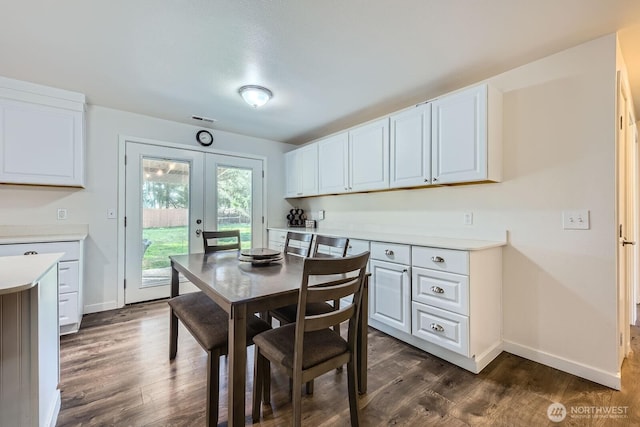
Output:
[[363, 341], [237, 364], [173, 320]]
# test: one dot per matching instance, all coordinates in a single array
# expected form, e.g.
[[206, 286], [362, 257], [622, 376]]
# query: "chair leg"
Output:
[[213, 384], [297, 400], [173, 335], [266, 380], [258, 389], [352, 386]]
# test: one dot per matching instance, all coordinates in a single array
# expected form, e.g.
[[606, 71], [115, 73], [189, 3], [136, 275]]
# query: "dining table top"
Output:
[[230, 281]]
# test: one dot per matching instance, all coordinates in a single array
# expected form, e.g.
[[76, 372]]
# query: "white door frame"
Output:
[[122, 140]]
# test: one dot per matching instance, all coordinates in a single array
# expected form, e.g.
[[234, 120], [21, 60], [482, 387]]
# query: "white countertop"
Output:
[[408, 239], [18, 273], [10, 234]]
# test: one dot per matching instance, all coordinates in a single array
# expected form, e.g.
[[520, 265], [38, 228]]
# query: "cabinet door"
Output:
[[410, 147], [369, 156], [40, 144], [390, 294], [332, 164], [308, 161], [459, 137], [292, 166]]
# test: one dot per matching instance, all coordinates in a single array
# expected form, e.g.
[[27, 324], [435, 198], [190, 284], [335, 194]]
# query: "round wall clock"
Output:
[[204, 137]]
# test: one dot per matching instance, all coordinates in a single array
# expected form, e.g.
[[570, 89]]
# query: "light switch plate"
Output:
[[321, 214], [576, 220], [111, 213], [62, 214]]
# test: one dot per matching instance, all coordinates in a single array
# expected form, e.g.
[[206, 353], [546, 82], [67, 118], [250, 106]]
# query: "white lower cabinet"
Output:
[[450, 304], [390, 285], [276, 239], [70, 273]]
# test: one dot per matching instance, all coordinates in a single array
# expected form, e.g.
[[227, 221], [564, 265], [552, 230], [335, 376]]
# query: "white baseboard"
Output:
[[609, 379], [103, 306]]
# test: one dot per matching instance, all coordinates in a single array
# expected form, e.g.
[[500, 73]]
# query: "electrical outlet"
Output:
[[468, 218], [62, 214], [321, 214], [575, 220]]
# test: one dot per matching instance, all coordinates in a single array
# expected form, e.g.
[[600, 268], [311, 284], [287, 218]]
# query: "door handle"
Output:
[[628, 242]]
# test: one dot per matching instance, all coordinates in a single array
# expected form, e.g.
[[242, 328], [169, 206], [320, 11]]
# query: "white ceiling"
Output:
[[330, 63]]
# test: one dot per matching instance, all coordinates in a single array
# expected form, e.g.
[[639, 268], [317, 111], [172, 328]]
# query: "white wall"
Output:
[[21, 205], [559, 286]]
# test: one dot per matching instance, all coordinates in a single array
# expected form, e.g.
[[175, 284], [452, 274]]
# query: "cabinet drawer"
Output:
[[440, 289], [68, 308], [68, 278], [440, 327], [277, 236], [391, 252], [71, 249], [357, 247], [441, 259]]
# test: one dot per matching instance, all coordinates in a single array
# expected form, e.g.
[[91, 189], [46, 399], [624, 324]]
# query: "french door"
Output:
[[171, 196]]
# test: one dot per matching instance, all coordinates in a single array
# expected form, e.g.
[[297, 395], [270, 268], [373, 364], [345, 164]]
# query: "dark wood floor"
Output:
[[116, 372]]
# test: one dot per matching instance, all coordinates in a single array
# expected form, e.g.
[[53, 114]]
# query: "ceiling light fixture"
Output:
[[254, 95]]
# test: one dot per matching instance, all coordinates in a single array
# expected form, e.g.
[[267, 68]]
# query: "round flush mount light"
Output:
[[254, 95]]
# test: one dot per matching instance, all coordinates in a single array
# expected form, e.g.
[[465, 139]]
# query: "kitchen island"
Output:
[[30, 350]]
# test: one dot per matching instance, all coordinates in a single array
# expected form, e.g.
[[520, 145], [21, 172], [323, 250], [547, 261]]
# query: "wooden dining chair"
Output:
[[339, 245], [323, 247], [309, 347], [230, 240], [331, 247], [298, 243], [209, 324]]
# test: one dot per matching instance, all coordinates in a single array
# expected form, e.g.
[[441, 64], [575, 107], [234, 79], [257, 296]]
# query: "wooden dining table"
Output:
[[243, 289]]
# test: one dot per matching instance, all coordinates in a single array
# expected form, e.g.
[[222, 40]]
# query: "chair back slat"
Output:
[[231, 237], [324, 321], [323, 245], [335, 290], [303, 239]]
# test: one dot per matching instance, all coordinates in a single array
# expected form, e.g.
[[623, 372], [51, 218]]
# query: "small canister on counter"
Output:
[[310, 223]]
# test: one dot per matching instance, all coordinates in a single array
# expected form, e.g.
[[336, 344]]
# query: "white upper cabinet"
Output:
[[357, 160], [410, 147], [41, 135], [466, 138], [333, 164], [301, 170], [369, 156]]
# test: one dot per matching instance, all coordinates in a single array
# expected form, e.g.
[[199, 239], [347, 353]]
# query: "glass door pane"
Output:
[[234, 197], [233, 201], [165, 217]]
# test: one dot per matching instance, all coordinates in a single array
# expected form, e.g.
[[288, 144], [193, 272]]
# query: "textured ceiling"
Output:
[[329, 63]]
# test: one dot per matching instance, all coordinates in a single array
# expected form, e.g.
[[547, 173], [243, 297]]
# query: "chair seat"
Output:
[[208, 322], [289, 312], [319, 346]]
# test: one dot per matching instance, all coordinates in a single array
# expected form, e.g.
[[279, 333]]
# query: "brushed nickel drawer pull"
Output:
[[388, 252], [31, 253], [437, 290], [437, 259], [436, 327]]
